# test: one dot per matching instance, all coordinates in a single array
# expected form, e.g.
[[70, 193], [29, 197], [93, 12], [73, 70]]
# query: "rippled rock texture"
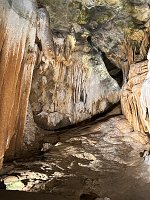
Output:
[[135, 96], [101, 159], [145, 98], [130, 99], [17, 60]]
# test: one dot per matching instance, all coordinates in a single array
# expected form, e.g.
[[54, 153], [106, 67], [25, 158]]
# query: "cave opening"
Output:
[[114, 71]]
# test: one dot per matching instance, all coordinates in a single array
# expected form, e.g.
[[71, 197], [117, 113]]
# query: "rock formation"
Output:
[[145, 98], [70, 81], [17, 60], [130, 98], [135, 98], [76, 52]]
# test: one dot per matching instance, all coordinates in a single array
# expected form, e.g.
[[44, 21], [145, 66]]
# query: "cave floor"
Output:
[[98, 160]]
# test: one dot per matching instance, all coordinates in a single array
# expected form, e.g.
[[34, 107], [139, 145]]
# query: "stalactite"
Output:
[[86, 83], [135, 48], [44, 33]]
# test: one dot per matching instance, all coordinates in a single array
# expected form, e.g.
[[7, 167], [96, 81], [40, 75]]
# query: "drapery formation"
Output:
[[130, 98], [145, 97], [17, 59], [135, 98]]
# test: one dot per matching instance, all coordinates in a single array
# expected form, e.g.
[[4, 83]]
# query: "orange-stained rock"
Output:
[[17, 59]]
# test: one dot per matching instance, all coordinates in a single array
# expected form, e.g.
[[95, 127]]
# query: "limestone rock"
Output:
[[31, 135], [135, 96], [117, 27], [70, 85], [46, 147], [17, 59], [33, 179], [145, 97], [73, 61], [131, 93]]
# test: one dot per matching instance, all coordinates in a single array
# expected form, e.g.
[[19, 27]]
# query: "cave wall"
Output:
[[117, 30], [17, 60], [74, 59], [27, 43], [145, 98]]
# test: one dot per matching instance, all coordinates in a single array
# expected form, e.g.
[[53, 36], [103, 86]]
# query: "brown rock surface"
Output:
[[17, 59], [131, 93], [100, 159]]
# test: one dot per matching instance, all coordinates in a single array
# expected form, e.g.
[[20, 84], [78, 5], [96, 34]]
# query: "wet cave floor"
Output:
[[100, 160]]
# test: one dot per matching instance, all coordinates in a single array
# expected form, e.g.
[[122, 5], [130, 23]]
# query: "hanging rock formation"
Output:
[[89, 35], [71, 82]]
